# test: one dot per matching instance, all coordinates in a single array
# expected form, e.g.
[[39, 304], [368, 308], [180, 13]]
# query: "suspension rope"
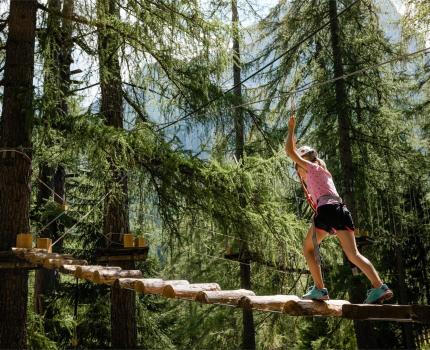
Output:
[[315, 83], [19, 151], [88, 213]]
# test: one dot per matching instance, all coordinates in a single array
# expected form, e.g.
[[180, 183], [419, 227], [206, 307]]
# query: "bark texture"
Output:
[[57, 47], [248, 335], [357, 290], [116, 222], [15, 168]]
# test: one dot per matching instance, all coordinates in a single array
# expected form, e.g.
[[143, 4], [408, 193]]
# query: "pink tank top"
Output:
[[320, 182]]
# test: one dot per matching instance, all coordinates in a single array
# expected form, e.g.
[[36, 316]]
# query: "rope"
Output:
[[259, 70], [18, 151], [249, 264], [51, 189], [315, 83], [88, 213]]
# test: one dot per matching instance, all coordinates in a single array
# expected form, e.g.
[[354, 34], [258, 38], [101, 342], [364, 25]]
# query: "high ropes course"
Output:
[[24, 256], [207, 293]]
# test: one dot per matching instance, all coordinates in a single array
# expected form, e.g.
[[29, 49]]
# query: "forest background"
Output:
[[167, 119]]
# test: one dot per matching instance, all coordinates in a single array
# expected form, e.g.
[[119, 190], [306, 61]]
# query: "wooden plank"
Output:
[[54, 263], [87, 272], [223, 297], [68, 269], [421, 313], [399, 313], [109, 276], [272, 303], [19, 265], [137, 284], [156, 287], [303, 307], [189, 291], [9, 260], [37, 256]]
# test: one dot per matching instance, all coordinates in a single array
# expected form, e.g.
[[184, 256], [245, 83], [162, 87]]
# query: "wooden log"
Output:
[[224, 297], [156, 287], [87, 272], [19, 252], [274, 303], [109, 276], [22, 251], [189, 291], [9, 260], [138, 284], [39, 257], [55, 263], [68, 269], [311, 307], [421, 314], [399, 313]]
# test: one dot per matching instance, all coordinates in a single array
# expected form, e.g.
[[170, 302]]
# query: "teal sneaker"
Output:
[[378, 295], [315, 293]]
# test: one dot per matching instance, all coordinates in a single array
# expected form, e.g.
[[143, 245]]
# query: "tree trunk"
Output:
[[357, 290], [248, 336], [15, 168], [57, 51], [123, 302]]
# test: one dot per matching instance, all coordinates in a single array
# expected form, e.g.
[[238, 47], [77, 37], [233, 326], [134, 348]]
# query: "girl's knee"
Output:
[[355, 257], [308, 248]]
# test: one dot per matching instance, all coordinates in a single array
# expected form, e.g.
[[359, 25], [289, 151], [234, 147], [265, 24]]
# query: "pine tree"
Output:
[[15, 169], [115, 218]]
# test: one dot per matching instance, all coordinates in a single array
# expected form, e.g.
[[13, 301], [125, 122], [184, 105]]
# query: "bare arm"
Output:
[[290, 145]]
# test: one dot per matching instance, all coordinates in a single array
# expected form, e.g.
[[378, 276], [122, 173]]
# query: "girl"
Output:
[[332, 217]]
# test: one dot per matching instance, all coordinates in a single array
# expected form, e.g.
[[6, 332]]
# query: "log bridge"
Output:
[[210, 293]]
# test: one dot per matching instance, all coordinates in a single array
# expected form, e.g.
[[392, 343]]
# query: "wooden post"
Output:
[[128, 240], [139, 242], [44, 243], [24, 240]]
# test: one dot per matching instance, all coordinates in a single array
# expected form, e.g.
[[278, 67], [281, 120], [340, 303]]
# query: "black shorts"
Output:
[[333, 217]]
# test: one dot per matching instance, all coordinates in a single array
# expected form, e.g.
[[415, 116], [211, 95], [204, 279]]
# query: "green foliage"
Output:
[[191, 208]]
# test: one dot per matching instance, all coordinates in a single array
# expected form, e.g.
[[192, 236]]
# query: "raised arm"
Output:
[[290, 144]]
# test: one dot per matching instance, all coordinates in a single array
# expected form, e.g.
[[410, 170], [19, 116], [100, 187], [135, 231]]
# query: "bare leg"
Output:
[[308, 252], [347, 241]]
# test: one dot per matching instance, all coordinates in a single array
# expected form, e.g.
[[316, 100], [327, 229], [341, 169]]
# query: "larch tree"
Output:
[[57, 50], [239, 128], [339, 117], [15, 170], [116, 215]]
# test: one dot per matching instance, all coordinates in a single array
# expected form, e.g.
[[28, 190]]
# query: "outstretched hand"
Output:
[[292, 122]]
